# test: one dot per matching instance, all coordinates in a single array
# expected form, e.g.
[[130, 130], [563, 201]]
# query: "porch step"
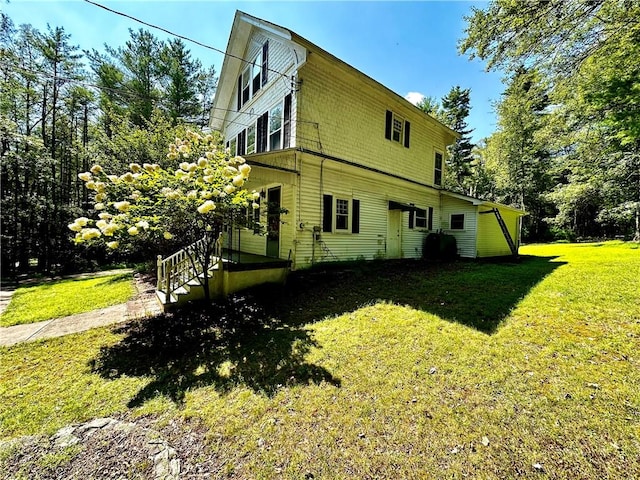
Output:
[[162, 298]]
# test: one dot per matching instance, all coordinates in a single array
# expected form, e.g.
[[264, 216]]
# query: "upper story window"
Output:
[[437, 172], [397, 129], [275, 127], [251, 139], [270, 131], [253, 76]]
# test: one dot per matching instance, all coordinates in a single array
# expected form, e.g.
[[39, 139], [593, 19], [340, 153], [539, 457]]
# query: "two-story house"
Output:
[[357, 168]]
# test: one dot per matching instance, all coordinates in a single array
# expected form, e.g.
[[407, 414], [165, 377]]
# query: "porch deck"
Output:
[[235, 261]]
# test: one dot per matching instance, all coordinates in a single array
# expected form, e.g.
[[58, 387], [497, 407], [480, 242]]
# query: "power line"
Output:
[[162, 29], [131, 95]]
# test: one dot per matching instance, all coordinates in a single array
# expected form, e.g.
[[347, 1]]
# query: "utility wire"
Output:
[[178, 35], [131, 95]]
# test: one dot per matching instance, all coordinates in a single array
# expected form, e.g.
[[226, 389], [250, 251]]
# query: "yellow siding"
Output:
[[374, 191], [261, 179], [491, 241], [465, 239], [341, 114]]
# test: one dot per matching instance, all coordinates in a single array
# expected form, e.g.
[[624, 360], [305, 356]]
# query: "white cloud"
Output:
[[414, 97]]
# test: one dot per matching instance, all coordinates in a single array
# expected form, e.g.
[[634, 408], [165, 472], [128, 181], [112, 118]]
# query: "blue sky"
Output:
[[406, 46]]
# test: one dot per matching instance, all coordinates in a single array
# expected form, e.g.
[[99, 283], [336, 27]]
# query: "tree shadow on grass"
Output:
[[258, 339], [228, 344], [478, 294]]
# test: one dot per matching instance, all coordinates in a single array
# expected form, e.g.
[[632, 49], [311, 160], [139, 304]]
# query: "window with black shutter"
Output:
[[397, 129], [430, 219]]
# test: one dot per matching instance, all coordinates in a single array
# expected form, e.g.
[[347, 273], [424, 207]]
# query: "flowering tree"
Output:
[[189, 204]]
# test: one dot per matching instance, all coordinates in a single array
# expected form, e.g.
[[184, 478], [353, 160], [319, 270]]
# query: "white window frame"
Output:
[[251, 147], [395, 118], [451, 221], [256, 65], [435, 169], [419, 218], [347, 216], [278, 131]]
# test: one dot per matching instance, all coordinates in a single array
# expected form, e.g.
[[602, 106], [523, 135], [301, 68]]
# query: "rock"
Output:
[[64, 437]]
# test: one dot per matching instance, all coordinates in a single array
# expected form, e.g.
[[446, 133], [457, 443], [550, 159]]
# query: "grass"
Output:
[[477, 369], [66, 297]]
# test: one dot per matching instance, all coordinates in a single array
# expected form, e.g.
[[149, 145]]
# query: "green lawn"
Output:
[[475, 370], [66, 297]]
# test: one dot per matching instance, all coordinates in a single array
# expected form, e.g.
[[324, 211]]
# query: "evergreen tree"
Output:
[[455, 110], [180, 75]]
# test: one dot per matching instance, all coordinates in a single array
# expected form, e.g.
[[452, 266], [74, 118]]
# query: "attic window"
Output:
[[397, 129], [396, 133], [253, 76]]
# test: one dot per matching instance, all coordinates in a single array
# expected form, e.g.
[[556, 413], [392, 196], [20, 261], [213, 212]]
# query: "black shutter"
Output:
[[261, 134], [387, 127], [327, 213], [407, 131], [265, 62], [355, 219], [430, 220], [412, 216], [239, 92], [242, 141], [287, 122]]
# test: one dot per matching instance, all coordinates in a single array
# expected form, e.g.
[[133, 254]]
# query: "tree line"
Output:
[[566, 148], [62, 109], [567, 144]]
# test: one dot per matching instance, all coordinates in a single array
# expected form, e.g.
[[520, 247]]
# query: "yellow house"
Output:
[[347, 169]]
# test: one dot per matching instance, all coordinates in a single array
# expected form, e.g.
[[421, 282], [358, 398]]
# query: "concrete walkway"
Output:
[[143, 305]]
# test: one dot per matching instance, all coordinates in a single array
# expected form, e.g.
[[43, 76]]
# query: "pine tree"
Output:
[[455, 110]]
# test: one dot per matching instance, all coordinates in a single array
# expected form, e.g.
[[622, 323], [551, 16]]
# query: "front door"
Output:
[[273, 222], [394, 234]]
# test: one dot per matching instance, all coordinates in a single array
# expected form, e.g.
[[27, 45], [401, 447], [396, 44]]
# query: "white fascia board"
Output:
[[243, 25]]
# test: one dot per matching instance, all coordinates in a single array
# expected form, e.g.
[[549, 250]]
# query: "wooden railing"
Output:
[[181, 267]]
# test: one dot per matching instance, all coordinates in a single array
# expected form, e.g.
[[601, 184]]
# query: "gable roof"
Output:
[[243, 24]]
